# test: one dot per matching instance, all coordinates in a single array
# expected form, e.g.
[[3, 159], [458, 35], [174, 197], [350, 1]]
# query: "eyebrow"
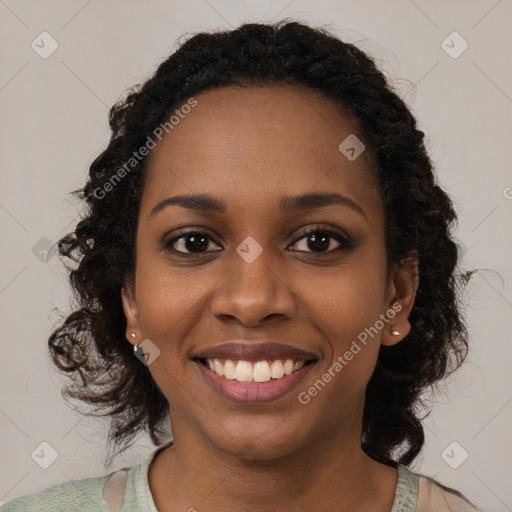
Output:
[[288, 204]]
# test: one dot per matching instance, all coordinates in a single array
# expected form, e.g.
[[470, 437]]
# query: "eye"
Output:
[[190, 242], [321, 240], [317, 240]]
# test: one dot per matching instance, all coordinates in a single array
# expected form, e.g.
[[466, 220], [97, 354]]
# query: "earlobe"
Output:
[[394, 334], [130, 311], [403, 288]]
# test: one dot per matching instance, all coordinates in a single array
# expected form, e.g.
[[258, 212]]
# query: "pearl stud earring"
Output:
[[396, 333]]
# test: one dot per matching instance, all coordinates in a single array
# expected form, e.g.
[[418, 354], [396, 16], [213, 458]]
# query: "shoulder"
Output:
[[85, 494], [433, 496], [123, 489]]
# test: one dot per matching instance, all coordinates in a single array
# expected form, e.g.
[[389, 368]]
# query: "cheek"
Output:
[[163, 293], [346, 309], [172, 306], [166, 304], [347, 303], [168, 311]]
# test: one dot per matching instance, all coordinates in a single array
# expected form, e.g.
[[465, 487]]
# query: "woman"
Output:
[[266, 231]]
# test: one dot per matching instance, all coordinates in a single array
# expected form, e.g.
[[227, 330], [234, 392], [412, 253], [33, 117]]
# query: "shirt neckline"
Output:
[[406, 492]]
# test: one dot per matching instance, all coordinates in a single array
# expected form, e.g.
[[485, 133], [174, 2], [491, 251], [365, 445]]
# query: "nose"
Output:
[[252, 292]]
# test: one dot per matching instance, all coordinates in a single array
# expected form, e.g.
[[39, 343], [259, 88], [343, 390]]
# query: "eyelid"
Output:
[[344, 240], [324, 227], [186, 232]]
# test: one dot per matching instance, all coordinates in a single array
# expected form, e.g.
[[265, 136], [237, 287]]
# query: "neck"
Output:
[[331, 473]]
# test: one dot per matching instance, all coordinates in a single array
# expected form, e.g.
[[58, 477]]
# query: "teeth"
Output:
[[261, 371], [218, 367], [277, 370], [229, 370], [297, 365], [243, 371]]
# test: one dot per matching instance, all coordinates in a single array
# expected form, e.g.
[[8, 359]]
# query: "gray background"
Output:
[[54, 123]]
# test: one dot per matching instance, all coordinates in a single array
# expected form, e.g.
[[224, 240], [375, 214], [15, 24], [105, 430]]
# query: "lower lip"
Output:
[[254, 392]]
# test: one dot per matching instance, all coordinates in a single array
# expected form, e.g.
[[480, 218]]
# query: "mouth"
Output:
[[261, 381], [259, 371]]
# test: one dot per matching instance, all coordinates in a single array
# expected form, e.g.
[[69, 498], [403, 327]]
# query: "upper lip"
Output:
[[252, 351]]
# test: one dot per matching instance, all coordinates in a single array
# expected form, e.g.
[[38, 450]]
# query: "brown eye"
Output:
[[190, 242], [323, 241]]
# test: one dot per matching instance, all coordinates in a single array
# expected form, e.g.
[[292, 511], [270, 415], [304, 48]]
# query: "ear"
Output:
[[402, 286], [131, 312]]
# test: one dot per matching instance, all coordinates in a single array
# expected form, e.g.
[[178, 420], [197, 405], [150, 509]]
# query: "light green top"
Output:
[[87, 494]]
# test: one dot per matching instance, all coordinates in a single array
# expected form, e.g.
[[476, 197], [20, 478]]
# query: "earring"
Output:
[[135, 347], [396, 333]]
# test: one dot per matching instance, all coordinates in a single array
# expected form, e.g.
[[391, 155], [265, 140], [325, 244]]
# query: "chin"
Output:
[[255, 444]]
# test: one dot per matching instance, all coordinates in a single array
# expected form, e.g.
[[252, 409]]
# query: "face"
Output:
[[311, 275]]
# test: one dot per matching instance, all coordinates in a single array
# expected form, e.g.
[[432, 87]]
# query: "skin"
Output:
[[250, 147]]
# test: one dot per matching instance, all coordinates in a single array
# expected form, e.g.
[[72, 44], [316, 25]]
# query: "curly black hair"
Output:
[[90, 344]]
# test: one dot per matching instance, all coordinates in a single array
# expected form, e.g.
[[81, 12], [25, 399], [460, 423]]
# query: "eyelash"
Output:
[[345, 242]]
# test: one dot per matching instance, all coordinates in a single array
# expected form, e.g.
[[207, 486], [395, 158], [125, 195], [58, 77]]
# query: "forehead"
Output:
[[257, 144]]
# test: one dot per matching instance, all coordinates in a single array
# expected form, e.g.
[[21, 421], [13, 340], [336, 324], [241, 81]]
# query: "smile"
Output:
[[260, 371], [254, 382]]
